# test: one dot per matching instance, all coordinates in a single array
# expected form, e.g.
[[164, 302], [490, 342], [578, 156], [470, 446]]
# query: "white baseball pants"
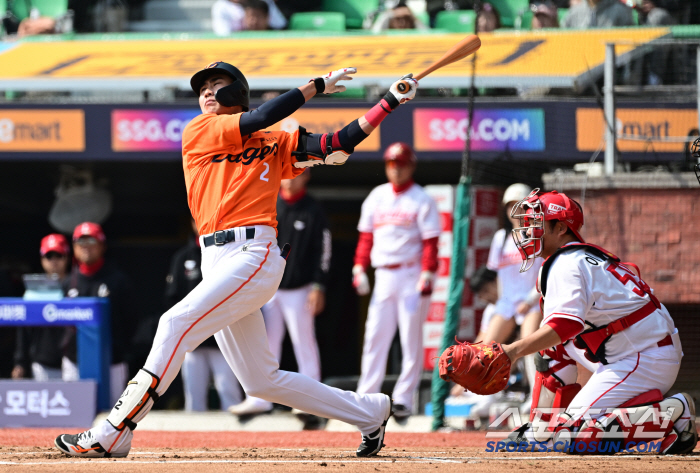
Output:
[[395, 302], [290, 307], [613, 384], [201, 365], [239, 277]]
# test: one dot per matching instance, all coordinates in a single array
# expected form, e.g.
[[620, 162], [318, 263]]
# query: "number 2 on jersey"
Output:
[[264, 173]]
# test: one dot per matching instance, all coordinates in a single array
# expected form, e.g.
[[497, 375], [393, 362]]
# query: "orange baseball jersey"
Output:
[[233, 181]]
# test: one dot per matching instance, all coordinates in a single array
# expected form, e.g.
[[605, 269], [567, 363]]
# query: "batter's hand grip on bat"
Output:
[[403, 87]]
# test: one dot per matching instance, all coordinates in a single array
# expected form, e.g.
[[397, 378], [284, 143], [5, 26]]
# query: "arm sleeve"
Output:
[[429, 260], [493, 261], [345, 139], [271, 112], [321, 248], [568, 296], [364, 247]]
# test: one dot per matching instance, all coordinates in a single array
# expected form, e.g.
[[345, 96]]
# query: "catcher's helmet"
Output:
[[236, 93], [400, 152], [695, 153], [533, 211]]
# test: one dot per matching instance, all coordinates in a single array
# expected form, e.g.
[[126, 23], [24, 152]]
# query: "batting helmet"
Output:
[[236, 93], [533, 211], [400, 152]]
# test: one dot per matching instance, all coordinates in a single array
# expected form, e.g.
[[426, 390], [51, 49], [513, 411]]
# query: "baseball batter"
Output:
[[399, 228], [605, 308], [233, 171]]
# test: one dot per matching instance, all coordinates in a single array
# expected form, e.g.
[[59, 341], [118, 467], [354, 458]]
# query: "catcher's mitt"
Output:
[[479, 367]]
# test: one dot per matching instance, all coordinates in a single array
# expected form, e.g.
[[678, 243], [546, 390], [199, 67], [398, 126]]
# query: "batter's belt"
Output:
[[227, 236]]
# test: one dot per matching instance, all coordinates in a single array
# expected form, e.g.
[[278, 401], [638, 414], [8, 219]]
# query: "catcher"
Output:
[[596, 303]]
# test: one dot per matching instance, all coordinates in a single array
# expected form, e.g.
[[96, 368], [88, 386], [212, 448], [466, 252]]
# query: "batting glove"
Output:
[[330, 80], [425, 283], [360, 281], [394, 98]]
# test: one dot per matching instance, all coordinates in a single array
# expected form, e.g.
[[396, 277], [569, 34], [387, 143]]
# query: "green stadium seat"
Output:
[[509, 10], [354, 10], [50, 8], [317, 21], [458, 21], [561, 13], [3, 11], [526, 20], [635, 17], [424, 18]]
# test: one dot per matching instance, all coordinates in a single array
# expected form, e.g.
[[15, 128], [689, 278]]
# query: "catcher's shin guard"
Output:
[[136, 401], [555, 387]]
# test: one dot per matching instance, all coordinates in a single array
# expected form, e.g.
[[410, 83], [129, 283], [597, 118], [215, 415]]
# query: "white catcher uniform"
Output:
[[399, 224], [587, 289]]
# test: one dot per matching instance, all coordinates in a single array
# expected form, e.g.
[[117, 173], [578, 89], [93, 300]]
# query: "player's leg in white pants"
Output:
[[44, 373], [195, 379], [382, 320], [274, 325], [289, 307], [412, 311], [224, 380], [238, 279], [300, 323], [244, 346], [613, 384]]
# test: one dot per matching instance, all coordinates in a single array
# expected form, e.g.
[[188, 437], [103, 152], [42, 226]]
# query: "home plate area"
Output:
[[30, 449]]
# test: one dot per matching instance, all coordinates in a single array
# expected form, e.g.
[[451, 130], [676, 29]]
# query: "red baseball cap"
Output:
[[89, 229], [54, 242], [399, 152]]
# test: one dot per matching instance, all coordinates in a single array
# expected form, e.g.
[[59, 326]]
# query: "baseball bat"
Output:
[[464, 48]]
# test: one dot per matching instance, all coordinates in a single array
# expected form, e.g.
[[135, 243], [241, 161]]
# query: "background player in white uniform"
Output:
[[586, 288], [399, 228]]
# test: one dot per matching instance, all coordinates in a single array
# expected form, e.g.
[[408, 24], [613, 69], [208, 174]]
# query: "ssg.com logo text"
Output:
[[52, 313]]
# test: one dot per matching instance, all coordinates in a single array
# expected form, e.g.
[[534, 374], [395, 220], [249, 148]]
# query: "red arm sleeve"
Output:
[[364, 246], [430, 250], [565, 328]]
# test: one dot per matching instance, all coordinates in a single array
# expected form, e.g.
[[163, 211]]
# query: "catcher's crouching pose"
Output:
[[591, 302], [233, 171]]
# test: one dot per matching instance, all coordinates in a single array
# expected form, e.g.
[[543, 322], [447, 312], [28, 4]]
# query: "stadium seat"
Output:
[[354, 10], [509, 10], [458, 21], [3, 11], [317, 21], [526, 20], [50, 8], [561, 13]]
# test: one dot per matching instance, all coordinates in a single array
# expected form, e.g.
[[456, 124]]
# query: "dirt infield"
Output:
[[31, 450]]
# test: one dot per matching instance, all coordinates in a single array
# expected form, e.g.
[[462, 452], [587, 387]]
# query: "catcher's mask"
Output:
[[695, 153], [532, 212], [236, 93]]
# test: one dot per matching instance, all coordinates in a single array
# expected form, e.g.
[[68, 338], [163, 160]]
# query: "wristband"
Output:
[[320, 84]]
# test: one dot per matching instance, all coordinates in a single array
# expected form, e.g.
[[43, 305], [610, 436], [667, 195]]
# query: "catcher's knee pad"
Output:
[[554, 389], [135, 402]]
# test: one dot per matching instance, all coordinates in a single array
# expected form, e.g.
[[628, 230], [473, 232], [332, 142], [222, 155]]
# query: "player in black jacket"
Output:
[[206, 360], [301, 295]]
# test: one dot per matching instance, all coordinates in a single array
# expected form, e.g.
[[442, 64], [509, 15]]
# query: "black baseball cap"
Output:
[[481, 276]]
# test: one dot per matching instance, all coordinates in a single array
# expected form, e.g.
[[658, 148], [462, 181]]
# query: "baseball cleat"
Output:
[[373, 443], [401, 412], [84, 445], [683, 442], [251, 407]]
